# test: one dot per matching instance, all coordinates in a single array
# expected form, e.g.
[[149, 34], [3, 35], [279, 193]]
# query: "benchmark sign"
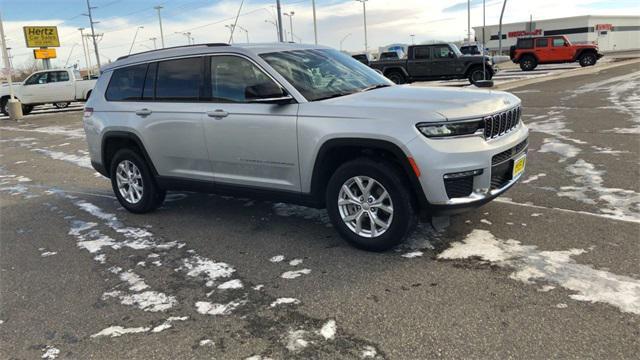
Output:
[[41, 36]]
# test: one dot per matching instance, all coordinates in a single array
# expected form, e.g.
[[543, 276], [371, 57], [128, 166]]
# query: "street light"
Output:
[[187, 34], [154, 42], [343, 39], [413, 39], [276, 25], [160, 22], [134, 38], [246, 32], [290, 15], [364, 12]]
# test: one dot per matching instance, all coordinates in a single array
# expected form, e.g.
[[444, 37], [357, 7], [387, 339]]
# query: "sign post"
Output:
[[42, 37]]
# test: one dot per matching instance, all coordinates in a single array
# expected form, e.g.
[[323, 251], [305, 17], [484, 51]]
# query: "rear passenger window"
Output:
[[525, 43], [179, 80], [126, 83], [541, 43], [421, 53], [58, 76]]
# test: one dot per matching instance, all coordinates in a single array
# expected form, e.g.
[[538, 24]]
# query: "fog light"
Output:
[[463, 174]]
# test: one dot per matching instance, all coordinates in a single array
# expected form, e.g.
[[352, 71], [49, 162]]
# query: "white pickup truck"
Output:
[[58, 87]]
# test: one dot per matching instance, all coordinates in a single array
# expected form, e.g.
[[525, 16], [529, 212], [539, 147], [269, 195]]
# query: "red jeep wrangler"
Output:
[[530, 52]]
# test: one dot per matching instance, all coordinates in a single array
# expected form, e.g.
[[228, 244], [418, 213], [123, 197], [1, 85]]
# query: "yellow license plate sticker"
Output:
[[518, 165]]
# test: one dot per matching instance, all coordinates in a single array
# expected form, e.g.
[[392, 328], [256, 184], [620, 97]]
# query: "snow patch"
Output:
[[295, 341], [413, 254], [277, 259], [82, 161], [231, 284], [207, 308], [328, 330], [116, 331], [50, 353], [295, 274], [285, 301], [198, 266], [295, 262]]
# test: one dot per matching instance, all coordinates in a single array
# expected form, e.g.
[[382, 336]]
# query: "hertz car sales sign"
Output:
[[41, 36]]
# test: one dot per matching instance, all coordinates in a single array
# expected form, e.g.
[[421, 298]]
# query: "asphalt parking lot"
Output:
[[550, 270]]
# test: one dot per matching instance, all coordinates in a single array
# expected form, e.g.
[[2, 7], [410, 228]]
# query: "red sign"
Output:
[[600, 27], [524, 33]]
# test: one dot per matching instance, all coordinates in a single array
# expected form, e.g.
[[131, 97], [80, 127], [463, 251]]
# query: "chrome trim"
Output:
[[478, 196]]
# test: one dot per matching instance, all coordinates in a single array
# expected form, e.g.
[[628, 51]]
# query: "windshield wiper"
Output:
[[376, 86]]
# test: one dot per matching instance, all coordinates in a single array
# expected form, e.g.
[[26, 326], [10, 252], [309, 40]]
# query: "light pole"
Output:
[[364, 12], [154, 42], [160, 22], [276, 25], [134, 38], [343, 39], [246, 32], [413, 39], [315, 24], [504, 4], [468, 21], [230, 27], [187, 34], [290, 15], [279, 10], [84, 49]]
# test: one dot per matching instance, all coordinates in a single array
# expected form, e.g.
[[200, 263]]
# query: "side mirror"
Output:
[[267, 92], [451, 55]]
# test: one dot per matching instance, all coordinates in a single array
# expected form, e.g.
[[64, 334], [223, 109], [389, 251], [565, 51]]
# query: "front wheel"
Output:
[[397, 77], [133, 183], [478, 74], [61, 105], [26, 109], [587, 60], [369, 203], [528, 63]]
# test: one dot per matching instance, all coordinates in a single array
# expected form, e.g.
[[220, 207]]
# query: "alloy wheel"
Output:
[[365, 206], [129, 181]]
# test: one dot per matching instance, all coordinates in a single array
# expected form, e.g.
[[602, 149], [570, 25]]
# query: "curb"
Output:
[[567, 74]]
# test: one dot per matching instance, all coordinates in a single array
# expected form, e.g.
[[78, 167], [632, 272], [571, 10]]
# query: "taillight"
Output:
[[88, 112]]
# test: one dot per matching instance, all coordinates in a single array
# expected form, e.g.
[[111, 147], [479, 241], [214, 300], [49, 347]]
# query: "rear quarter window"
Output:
[[126, 83]]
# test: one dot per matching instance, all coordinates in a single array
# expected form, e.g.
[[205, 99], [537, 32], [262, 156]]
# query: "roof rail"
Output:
[[173, 47]]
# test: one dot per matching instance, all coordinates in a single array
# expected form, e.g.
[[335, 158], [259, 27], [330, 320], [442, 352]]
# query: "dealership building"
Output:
[[610, 33]]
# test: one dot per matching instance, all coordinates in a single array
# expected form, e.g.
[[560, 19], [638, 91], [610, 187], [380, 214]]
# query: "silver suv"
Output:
[[301, 124]]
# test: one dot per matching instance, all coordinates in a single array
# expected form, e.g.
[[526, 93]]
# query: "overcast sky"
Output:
[[389, 21]]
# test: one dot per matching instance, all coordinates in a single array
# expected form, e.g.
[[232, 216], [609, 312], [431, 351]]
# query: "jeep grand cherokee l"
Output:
[[301, 124]]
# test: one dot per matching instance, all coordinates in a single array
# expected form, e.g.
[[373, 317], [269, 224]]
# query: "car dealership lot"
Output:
[[549, 270]]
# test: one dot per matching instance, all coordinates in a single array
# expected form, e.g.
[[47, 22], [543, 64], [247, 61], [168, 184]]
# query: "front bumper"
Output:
[[437, 157]]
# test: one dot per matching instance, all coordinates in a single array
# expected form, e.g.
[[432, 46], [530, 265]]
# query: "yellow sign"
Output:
[[44, 53], [41, 36]]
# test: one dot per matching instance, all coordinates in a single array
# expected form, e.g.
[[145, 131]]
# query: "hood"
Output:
[[451, 104]]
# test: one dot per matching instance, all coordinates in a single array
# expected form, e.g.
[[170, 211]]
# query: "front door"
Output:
[[34, 88], [250, 143], [560, 50], [444, 61]]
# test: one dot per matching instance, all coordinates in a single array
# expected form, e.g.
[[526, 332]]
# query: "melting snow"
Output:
[[564, 150], [50, 353], [283, 301], [231, 284], [206, 342], [295, 262], [413, 254], [115, 331], [198, 266], [369, 352], [558, 267], [328, 330], [277, 258], [77, 133], [48, 253], [82, 161], [134, 280], [295, 340], [207, 308], [295, 274]]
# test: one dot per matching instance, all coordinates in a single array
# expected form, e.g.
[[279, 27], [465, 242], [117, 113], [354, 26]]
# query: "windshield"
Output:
[[324, 73], [455, 49]]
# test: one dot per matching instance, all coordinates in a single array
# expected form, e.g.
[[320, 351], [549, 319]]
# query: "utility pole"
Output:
[[134, 38], [14, 108], [84, 49], [160, 21], [315, 24], [468, 21], [89, 55], [93, 34], [279, 10], [230, 27], [154, 42], [290, 15], [504, 4], [364, 12]]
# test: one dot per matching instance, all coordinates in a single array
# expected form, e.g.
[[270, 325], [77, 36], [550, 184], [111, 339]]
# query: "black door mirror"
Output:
[[451, 54], [267, 92]]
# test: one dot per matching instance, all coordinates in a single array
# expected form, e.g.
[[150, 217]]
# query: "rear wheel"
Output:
[[369, 203], [397, 77], [528, 63], [133, 183], [587, 59], [3, 106]]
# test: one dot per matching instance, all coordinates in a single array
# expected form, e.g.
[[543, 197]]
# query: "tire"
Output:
[[61, 105], [588, 59], [385, 176], [528, 63], [26, 109], [3, 106], [477, 74], [397, 77], [149, 198]]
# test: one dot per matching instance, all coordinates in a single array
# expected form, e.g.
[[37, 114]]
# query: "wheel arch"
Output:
[[335, 152], [581, 52], [528, 54], [388, 69], [114, 140]]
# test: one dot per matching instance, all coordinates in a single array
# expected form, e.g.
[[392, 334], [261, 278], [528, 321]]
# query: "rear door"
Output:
[[60, 87], [250, 144], [419, 63], [161, 102], [542, 50]]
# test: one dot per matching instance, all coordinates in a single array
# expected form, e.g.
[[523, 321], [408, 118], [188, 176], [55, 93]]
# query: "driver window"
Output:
[[558, 42], [235, 79], [441, 52], [40, 78]]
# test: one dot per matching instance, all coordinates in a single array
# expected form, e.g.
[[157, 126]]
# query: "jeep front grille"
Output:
[[501, 123]]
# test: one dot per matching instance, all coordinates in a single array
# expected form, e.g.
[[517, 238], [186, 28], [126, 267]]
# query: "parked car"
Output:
[[58, 87], [391, 55], [302, 124], [532, 51], [436, 62], [363, 58], [472, 49]]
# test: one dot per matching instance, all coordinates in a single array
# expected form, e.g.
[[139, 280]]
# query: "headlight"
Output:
[[434, 130]]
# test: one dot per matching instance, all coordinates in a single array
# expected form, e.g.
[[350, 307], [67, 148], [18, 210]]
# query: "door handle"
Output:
[[218, 114], [143, 112]]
